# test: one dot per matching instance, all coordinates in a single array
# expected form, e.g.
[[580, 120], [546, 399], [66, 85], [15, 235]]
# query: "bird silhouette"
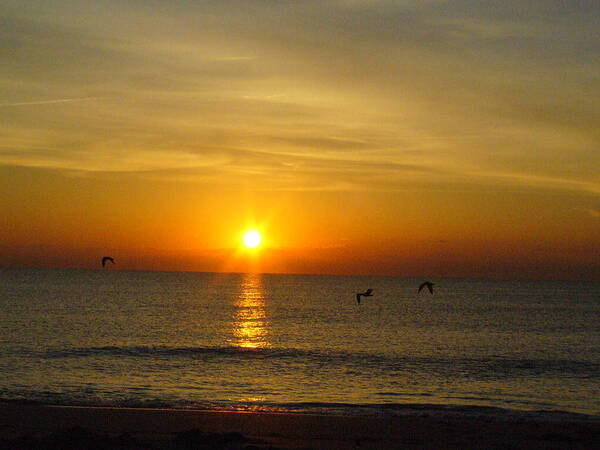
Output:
[[367, 293], [427, 284], [105, 259]]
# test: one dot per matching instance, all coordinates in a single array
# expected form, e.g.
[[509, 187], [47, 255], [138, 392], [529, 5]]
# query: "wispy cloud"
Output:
[[380, 84], [50, 102], [234, 58]]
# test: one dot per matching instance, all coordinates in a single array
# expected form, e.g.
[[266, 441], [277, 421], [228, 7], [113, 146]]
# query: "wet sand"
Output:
[[53, 427]]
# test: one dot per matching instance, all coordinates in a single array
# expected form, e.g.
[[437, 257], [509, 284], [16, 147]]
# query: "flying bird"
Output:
[[367, 293], [105, 259], [427, 284]]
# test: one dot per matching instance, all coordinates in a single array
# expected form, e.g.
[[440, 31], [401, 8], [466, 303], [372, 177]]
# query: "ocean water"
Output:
[[299, 343]]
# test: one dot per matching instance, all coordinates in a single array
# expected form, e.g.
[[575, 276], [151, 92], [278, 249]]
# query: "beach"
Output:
[[44, 426]]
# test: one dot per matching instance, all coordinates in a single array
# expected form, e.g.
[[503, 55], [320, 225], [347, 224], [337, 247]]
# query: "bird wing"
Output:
[[422, 286], [430, 287], [358, 298], [107, 258]]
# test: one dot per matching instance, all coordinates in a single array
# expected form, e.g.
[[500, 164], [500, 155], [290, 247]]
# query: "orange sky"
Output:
[[361, 137]]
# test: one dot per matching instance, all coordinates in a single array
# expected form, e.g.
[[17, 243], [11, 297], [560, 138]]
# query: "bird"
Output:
[[367, 293], [427, 284], [107, 258]]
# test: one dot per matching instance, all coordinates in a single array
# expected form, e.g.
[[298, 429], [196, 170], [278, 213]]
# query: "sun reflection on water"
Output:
[[250, 325]]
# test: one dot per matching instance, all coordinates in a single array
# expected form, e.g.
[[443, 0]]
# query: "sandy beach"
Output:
[[37, 426]]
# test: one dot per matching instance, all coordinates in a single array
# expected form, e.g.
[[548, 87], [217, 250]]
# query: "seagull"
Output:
[[429, 285], [105, 259], [367, 293]]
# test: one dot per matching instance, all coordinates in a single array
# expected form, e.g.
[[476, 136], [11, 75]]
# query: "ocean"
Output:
[[300, 343]]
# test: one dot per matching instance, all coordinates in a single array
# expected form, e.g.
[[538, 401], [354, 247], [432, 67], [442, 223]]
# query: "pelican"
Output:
[[427, 284], [105, 259], [367, 293]]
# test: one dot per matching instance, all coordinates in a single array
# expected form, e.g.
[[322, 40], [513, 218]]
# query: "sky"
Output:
[[370, 137]]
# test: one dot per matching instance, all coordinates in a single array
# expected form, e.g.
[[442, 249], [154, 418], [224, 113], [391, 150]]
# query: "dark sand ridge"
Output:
[[36, 426]]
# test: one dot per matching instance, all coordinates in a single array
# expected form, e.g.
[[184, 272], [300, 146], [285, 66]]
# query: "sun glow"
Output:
[[252, 239]]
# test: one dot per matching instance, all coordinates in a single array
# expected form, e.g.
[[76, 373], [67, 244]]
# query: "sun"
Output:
[[252, 239]]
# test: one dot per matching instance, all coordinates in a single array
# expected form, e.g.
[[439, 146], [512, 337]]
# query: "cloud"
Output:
[[306, 94], [49, 102]]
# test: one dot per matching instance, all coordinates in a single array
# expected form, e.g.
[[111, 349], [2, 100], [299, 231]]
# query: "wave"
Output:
[[439, 410], [142, 351], [493, 366]]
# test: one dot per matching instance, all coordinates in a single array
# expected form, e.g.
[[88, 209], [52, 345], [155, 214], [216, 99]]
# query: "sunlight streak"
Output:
[[250, 325]]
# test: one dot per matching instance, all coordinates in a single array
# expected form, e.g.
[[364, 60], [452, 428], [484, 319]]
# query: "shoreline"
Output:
[[380, 410], [46, 425]]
